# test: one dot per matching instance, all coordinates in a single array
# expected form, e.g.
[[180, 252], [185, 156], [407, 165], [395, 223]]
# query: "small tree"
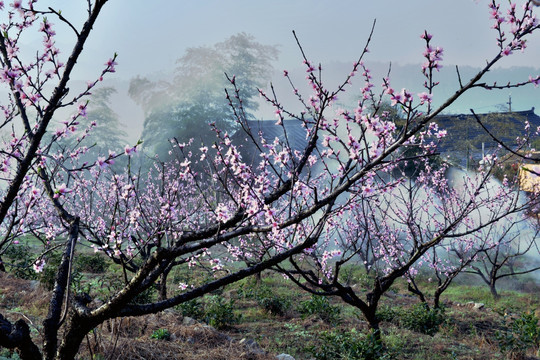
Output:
[[511, 256], [508, 244]]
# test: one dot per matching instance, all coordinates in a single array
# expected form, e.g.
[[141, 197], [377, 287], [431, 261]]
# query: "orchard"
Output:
[[346, 199]]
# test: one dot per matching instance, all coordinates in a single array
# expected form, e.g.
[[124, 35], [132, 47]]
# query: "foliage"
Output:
[[422, 319], [19, 261], [388, 313], [419, 317], [5, 354], [321, 307], [266, 298], [161, 334], [92, 263], [192, 308], [348, 345], [522, 335], [48, 276], [219, 312]]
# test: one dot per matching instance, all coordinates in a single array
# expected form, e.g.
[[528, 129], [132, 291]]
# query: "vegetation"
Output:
[[498, 331], [184, 107], [187, 231]]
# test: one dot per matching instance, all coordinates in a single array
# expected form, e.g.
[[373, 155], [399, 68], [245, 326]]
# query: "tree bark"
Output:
[[163, 284], [493, 290], [373, 322], [17, 336], [76, 329], [61, 286]]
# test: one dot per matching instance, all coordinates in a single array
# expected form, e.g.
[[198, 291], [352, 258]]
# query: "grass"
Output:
[[465, 333]]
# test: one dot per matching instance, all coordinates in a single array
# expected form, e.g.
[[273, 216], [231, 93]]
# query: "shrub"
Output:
[[266, 298], [20, 259], [161, 334], [320, 306], [48, 275], [7, 354], [192, 308], [523, 334], [386, 313], [274, 304], [220, 313], [347, 345], [422, 319], [146, 296], [94, 263]]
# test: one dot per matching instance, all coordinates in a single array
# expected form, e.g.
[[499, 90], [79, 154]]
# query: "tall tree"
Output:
[[106, 133], [184, 107]]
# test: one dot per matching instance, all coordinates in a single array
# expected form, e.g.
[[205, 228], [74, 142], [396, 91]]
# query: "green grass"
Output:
[[465, 334]]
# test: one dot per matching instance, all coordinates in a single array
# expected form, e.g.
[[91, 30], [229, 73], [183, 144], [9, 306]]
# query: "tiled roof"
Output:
[[464, 131], [291, 131]]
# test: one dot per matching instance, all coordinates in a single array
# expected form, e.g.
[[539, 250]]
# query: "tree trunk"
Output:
[[17, 336], [437, 299], [52, 323], [373, 323], [163, 285], [493, 290], [76, 330]]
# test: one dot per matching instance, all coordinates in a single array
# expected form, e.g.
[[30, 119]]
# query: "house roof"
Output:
[[291, 131], [464, 132]]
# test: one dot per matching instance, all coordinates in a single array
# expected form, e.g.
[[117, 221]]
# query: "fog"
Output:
[[150, 37]]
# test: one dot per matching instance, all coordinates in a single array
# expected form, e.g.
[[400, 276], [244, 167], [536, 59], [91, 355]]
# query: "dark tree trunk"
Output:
[[493, 290], [17, 336], [61, 286], [437, 299], [76, 330], [163, 284], [373, 322]]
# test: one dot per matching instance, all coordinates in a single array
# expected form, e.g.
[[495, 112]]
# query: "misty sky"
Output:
[[149, 36]]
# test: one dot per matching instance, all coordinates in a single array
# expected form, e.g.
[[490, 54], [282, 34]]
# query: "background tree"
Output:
[[185, 107], [106, 133], [513, 255], [96, 135]]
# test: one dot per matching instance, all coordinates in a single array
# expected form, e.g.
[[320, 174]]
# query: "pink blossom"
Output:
[[39, 265], [507, 51], [440, 134], [425, 97], [128, 150], [111, 65], [102, 162], [61, 190]]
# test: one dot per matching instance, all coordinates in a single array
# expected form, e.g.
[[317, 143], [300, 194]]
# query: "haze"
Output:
[[150, 36]]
